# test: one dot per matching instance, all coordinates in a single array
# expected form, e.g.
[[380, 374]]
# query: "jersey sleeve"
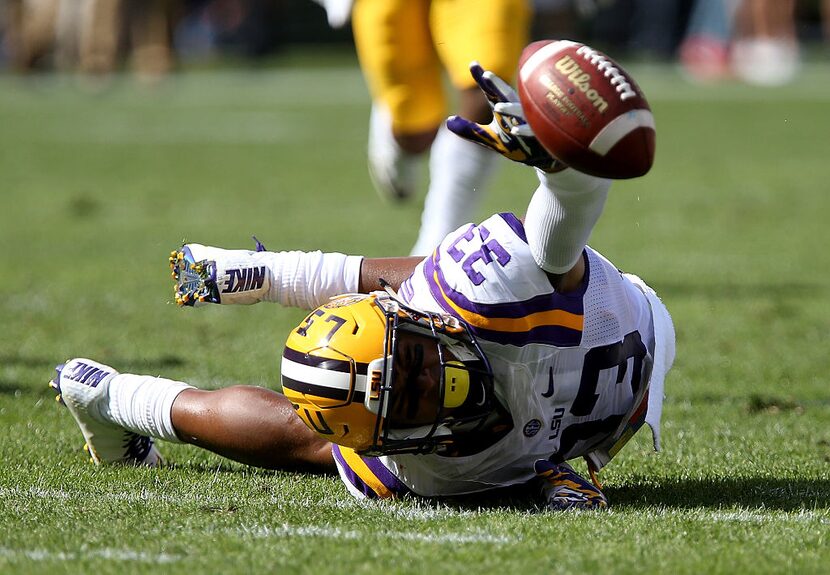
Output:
[[366, 477], [485, 275]]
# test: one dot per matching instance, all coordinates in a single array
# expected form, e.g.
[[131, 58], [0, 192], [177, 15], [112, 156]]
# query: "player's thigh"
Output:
[[395, 48], [494, 32]]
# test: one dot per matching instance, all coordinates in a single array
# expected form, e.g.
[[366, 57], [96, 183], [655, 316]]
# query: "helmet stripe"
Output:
[[323, 362], [320, 390]]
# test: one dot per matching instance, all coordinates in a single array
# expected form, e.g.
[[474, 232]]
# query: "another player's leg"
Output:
[[404, 78], [494, 33], [458, 172], [394, 160]]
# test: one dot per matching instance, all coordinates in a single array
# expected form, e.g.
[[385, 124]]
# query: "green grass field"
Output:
[[730, 227]]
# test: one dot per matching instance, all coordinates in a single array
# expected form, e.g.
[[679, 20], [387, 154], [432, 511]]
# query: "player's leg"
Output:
[[494, 33], [765, 51], [251, 425], [120, 414], [404, 78]]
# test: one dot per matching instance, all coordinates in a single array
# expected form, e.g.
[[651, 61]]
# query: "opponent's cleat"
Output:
[[82, 386], [564, 489], [195, 280], [393, 171]]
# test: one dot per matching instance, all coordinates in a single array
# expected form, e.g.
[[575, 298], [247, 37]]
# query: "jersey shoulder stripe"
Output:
[[367, 476], [515, 225], [543, 318]]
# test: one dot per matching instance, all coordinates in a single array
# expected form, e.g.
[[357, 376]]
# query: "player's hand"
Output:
[[564, 489], [509, 133]]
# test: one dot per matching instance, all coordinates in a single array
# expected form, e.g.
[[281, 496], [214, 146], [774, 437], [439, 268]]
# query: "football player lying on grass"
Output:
[[509, 351]]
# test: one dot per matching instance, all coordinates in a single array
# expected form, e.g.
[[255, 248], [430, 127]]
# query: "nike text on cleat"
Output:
[[82, 386], [565, 489]]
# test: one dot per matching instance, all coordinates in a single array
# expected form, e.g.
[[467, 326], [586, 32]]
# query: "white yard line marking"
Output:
[[124, 496], [748, 516], [742, 515], [105, 553], [331, 532], [423, 512]]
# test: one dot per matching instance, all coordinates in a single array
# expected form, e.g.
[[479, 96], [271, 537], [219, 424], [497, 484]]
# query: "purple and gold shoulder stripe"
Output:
[[549, 318], [367, 476]]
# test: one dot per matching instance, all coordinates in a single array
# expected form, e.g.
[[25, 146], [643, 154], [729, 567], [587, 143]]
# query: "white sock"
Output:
[[143, 404], [561, 215], [458, 171]]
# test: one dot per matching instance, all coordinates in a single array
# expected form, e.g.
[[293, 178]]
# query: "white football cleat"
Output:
[[393, 171], [205, 274], [82, 386]]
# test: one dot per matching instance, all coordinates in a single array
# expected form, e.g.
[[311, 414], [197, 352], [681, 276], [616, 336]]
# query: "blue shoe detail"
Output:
[[195, 281], [55, 383]]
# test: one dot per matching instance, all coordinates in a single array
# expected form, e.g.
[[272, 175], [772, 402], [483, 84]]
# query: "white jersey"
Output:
[[578, 373], [570, 369]]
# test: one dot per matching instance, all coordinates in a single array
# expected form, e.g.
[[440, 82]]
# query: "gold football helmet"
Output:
[[339, 371]]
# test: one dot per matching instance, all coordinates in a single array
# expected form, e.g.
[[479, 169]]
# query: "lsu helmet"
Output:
[[338, 371]]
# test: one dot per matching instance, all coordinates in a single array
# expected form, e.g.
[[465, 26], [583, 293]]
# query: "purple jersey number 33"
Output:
[[489, 251]]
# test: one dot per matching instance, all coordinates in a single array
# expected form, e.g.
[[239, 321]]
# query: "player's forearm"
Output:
[[309, 279], [561, 215]]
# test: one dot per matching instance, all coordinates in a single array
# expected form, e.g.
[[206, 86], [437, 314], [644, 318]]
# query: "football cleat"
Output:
[[204, 274], [564, 489], [82, 386], [393, 171], [195, 280]]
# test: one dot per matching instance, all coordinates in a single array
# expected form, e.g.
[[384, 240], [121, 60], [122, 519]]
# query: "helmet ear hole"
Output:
[[457, 384]]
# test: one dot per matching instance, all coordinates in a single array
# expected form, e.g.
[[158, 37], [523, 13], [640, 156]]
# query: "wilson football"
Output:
[[586, 110]]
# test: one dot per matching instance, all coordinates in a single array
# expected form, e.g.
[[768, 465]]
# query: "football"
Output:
[[586, 110]]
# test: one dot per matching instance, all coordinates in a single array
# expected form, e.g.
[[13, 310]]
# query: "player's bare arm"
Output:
[[392, 270]]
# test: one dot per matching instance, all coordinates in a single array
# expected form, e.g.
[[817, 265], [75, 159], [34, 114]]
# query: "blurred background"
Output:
[[756, 41]]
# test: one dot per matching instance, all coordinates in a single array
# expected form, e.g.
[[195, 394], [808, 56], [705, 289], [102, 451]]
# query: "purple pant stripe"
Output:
[[384, 475]]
